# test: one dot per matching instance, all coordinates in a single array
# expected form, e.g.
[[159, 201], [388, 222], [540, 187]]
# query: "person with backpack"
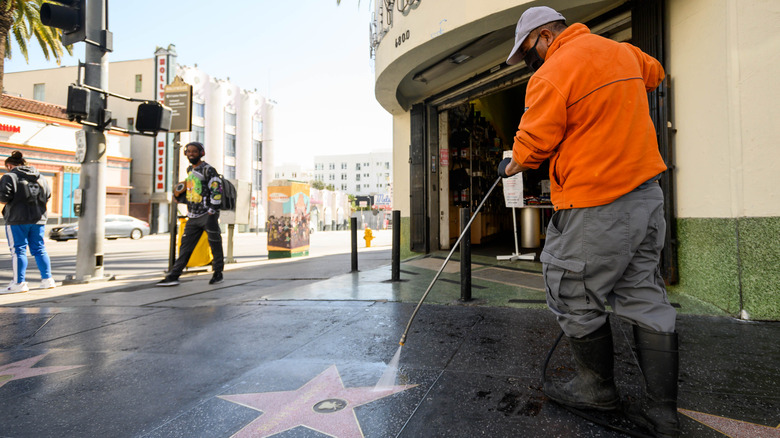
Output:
[[25, 194], [202, 190]]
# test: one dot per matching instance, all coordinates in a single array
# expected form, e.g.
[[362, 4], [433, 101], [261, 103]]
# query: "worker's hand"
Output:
[[502, 167]]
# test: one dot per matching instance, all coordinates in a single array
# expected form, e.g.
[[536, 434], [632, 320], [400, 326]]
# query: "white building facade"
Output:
[[293, 171], [235, 125], [357, 174], [47, 139]]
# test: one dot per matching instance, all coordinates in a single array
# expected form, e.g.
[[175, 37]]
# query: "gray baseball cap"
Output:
[[530, 20]]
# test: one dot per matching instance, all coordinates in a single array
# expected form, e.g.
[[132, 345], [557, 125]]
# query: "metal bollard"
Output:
[[396, 268], [353, 231], [465, 256]]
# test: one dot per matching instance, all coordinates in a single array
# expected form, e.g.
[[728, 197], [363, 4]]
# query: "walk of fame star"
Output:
[[24, 369], [322, 404]]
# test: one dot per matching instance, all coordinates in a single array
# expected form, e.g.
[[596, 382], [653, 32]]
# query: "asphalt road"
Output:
[[149, 256]]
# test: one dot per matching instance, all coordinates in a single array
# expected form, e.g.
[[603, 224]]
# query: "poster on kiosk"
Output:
[[288, 219]]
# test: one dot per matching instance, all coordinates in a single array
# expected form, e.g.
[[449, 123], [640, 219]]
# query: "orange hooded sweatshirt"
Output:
[[587, 111]]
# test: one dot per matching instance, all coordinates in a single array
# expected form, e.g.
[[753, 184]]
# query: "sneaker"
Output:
[[216, 278], [48, 283], [167, 282], [14, 288]]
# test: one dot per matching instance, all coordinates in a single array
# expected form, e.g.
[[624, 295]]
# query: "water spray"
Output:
[[446, 260]]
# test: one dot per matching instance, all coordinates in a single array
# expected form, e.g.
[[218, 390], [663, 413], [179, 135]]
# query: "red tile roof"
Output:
[[33, 106]]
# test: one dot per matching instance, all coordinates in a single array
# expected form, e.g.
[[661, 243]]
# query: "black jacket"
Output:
[[18, 210]]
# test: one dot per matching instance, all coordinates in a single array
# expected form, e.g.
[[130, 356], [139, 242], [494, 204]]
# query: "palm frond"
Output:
[[26, 24]]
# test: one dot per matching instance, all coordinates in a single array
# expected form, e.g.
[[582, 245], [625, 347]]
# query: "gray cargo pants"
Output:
[[608, 253]]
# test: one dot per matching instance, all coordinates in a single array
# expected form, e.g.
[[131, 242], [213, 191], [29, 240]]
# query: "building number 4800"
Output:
[[402, 38]]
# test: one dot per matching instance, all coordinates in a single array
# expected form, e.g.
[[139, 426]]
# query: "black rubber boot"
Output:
[[593, 387], [659, 361]]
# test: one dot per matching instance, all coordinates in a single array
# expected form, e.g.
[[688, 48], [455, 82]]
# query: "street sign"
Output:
[[81, 145], [178, 96]]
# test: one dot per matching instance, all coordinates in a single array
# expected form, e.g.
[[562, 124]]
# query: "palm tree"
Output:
[[20, 20]]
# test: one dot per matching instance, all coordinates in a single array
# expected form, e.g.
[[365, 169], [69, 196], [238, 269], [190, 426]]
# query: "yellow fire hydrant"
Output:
[[368, 236]]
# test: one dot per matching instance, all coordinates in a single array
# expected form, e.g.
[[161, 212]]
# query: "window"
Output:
[[230, 172], [131, 123], [357, 188], [319, 166], [387, 164], [357, 177], [230, 145], [198, 134], [199, 109], [331, 166], [344, 166], [331, 177], [138, 83], [230, 119], [343, 176], [258, 181], [357, 166], [365, 186], [257, 127], [39, 92], [343, 187], [257, 150]]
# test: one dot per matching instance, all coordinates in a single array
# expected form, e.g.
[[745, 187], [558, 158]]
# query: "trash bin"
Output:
[[530, 225], [201, 255]]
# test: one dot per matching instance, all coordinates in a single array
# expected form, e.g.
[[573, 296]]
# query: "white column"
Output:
[[244, 156], [215, 124]]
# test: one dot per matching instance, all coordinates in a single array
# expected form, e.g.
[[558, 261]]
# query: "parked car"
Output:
[[116, 226]]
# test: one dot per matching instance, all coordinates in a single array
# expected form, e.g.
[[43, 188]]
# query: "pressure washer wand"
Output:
[[436, 277]]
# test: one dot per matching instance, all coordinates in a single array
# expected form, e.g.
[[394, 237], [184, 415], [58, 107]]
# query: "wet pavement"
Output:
[[295, 348]]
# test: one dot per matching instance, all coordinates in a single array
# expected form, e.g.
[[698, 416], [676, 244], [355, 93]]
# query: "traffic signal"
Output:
[[78, 103], [68, 16], [153, 117]]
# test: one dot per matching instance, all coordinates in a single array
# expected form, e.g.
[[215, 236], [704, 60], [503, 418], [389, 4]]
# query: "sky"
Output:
[[309, 56]]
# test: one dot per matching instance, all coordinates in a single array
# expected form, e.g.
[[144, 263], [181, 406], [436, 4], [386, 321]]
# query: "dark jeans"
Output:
[[192, 232]]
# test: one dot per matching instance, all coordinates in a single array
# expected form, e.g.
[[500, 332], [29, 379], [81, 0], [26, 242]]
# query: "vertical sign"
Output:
[[160, 156]]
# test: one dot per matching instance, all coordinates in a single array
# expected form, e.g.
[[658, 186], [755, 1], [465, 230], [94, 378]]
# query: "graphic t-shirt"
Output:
[[203, 190]]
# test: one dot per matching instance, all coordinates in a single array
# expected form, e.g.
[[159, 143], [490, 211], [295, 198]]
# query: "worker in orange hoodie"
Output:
[[587, 112]]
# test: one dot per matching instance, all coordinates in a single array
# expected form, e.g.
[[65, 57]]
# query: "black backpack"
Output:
[[228, 194], [228, 201]]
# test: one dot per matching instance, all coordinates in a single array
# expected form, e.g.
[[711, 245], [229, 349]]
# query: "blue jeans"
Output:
[[19, 236]]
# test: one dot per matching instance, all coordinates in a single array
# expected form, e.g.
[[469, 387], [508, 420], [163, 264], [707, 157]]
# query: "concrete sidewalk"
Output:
[[295, 348]]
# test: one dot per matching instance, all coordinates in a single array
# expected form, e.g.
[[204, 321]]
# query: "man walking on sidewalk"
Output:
[[202, 191], [587, 112]]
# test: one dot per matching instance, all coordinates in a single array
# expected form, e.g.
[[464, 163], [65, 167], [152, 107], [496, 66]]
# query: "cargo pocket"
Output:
[[564, 283]]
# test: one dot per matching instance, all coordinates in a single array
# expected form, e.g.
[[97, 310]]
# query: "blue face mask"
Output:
[[532, 58]]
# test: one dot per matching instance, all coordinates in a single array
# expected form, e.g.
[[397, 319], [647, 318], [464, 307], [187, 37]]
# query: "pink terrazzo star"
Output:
[[24, 369], [322, 404], [733, 428]]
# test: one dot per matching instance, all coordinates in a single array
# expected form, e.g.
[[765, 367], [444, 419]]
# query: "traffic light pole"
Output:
[[173, 216], [89, 259]]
